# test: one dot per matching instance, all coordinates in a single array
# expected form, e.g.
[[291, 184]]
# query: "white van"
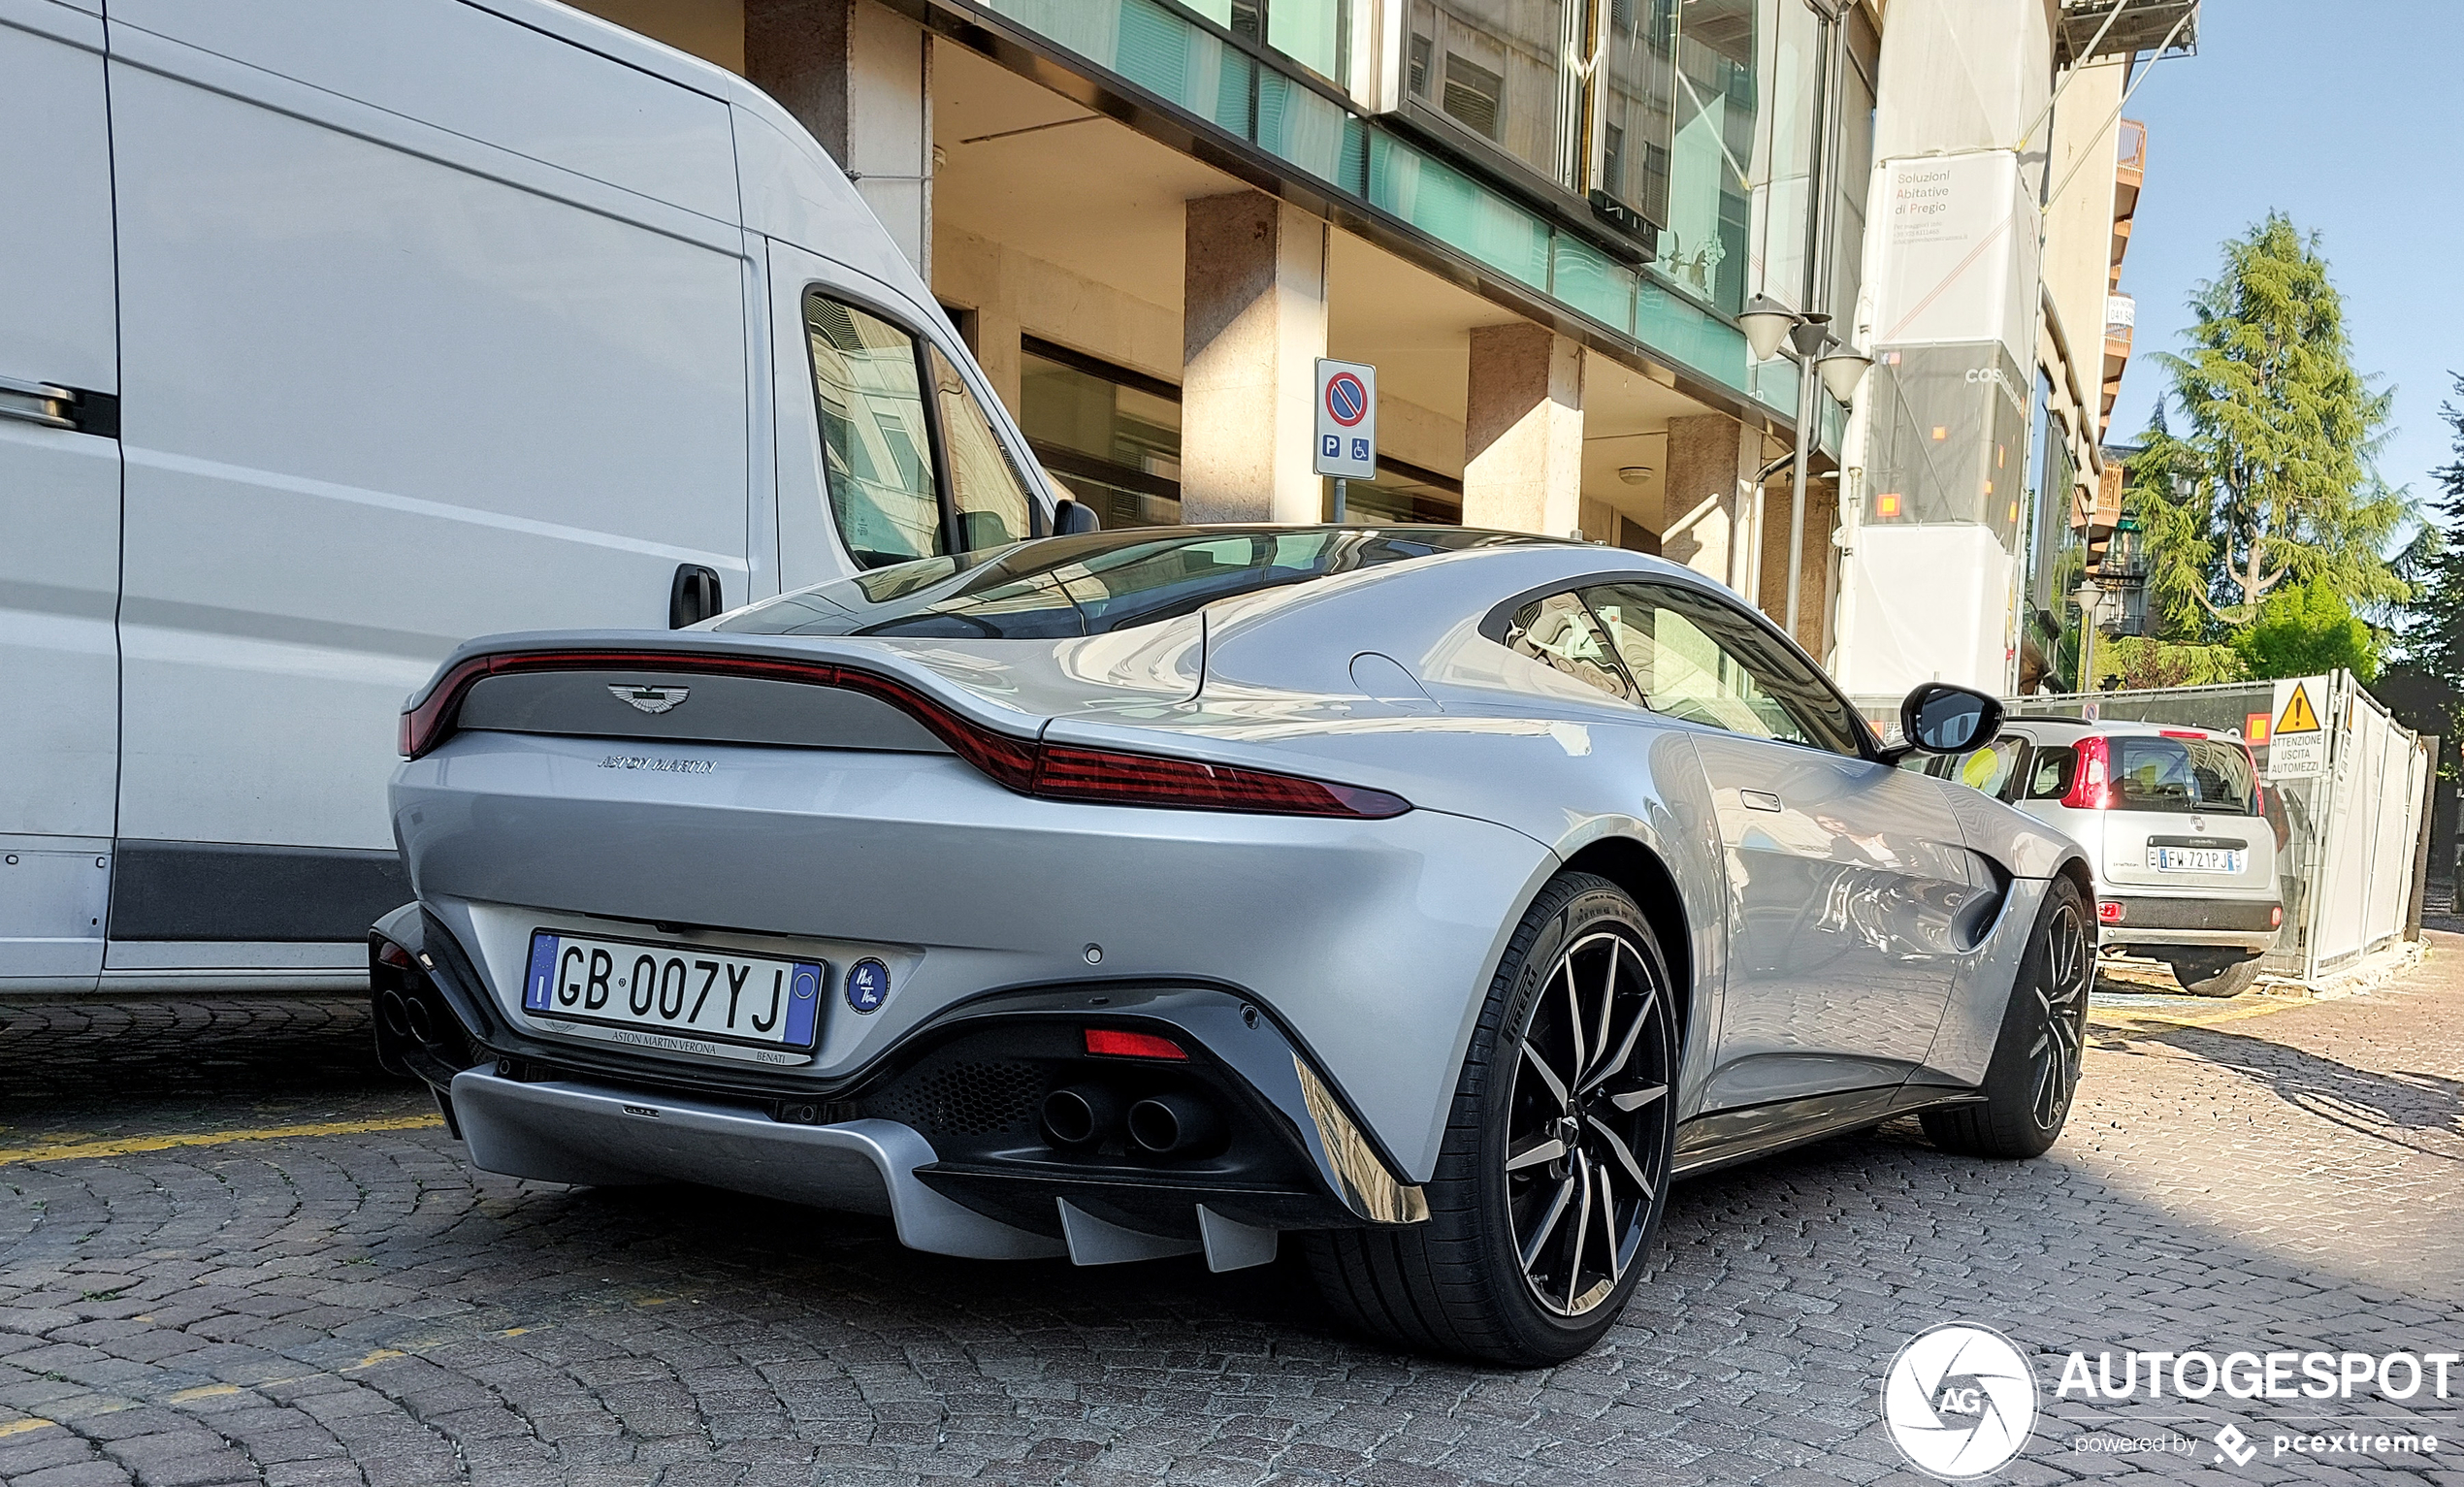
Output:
[[334, 335]]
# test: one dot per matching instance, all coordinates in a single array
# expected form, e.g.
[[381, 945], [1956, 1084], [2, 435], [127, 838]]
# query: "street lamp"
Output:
[[1766, 322], [2090, 597], [1842, 371]]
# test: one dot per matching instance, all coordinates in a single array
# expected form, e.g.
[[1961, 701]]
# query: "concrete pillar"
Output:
[[1813, 578], [1252, 327], [860, 77], [1523, 431], [1710, 493]]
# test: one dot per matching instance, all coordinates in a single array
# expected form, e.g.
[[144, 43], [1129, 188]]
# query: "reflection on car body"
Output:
[[1200, 876]]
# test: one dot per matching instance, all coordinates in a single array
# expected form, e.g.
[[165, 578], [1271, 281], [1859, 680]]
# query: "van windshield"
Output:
[[1094, 583], [2184, 775]]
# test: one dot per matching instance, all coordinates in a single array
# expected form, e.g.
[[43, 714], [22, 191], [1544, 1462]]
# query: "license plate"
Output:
[[682, 991], [2195, 859]]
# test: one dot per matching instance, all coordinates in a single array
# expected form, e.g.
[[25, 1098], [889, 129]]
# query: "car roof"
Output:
[[2122, 728]]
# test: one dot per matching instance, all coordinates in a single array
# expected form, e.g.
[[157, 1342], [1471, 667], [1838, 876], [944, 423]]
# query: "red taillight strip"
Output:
[[1050, 771], [1067, 773]]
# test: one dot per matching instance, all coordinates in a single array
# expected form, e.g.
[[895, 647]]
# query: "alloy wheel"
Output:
[[1587, 1122], [2061, 999]]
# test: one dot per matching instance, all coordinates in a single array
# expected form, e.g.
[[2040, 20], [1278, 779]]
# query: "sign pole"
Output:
[[1340, 483]]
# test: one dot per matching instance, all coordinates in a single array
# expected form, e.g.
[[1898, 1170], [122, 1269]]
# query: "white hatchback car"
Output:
[[2174, 823]]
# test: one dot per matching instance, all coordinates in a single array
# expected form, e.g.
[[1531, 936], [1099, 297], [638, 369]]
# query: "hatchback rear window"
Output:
[[1092, 584], [2183, 775]]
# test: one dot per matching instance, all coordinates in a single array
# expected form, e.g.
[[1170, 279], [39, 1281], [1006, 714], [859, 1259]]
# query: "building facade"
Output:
[[1542, 221]]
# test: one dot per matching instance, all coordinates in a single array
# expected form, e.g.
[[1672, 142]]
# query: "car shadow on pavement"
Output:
[[2422, 1113]]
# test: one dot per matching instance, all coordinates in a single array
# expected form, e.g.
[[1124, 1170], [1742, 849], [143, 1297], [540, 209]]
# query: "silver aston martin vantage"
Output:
[[1433, 896]]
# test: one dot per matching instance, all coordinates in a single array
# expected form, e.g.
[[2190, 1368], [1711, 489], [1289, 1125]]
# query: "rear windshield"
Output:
[[1094, 583], [2183, 775]]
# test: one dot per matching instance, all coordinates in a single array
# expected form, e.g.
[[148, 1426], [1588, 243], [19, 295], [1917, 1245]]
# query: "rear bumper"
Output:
[[600, 1136], [941, 1133], [1372, 941], [2153, 919]]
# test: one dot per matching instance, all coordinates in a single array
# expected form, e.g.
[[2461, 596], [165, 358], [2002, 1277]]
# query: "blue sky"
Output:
[[2349, 119]]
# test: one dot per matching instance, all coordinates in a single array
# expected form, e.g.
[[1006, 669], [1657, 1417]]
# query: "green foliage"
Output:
[[2303, 630], [2141, 662], [2429, 634], [2271, 481]]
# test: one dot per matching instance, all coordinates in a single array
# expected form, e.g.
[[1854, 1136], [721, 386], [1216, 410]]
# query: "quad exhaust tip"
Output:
[[1173, 1124], [1080, 1114]]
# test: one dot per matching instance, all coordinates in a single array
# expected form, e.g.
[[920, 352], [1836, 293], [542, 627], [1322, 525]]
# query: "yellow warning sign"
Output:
[[2297, 717]]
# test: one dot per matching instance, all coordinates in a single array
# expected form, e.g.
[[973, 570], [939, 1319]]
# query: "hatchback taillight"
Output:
[[2091, 777]]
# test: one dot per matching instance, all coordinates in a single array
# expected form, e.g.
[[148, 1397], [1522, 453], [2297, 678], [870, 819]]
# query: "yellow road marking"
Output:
[[21, 1426], [129, 1146], [205, 1392], [2126, 1015], [381, 1355]]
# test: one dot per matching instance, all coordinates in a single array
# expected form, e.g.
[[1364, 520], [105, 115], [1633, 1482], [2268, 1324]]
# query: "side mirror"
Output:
[[693, 596], [1939, 718], [1069, 518]]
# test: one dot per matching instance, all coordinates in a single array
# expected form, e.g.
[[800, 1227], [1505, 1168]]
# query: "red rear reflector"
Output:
[[2276, 917], [395, 954], [2109, 912], [1113, 1043]]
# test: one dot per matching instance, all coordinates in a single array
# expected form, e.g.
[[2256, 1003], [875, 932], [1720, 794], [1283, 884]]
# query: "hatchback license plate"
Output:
[[2195, 859], [682, 990]]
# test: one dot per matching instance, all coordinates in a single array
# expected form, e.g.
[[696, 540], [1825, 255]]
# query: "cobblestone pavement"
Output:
[[351, 1305]]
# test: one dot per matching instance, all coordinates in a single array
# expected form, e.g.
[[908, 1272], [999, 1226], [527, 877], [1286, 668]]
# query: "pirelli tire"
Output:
[[1554, 1168], [2034, 1073]]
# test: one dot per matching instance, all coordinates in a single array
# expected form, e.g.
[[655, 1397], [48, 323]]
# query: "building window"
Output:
[[1112, 435], [1507, 73], [1402, 496], [1473, 94], [1315, 33]]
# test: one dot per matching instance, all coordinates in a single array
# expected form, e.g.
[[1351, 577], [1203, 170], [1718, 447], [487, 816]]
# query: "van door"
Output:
[[59, 498], [434, 326]]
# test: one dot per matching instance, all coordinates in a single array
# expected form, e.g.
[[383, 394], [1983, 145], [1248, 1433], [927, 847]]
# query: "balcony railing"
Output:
[[2131, 146]]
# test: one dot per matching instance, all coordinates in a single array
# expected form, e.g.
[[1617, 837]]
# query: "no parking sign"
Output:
[[1347, 420]]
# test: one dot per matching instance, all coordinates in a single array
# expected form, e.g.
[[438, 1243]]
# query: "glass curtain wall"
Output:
[[1505, 72], [1638, 104], [1703, 243], [1855, 172], [1795, 53], [1315, 33]]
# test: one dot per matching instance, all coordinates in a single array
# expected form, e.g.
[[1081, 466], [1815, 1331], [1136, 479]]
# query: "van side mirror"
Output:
[[1939, 718], [1070, 518], [693, 595]]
